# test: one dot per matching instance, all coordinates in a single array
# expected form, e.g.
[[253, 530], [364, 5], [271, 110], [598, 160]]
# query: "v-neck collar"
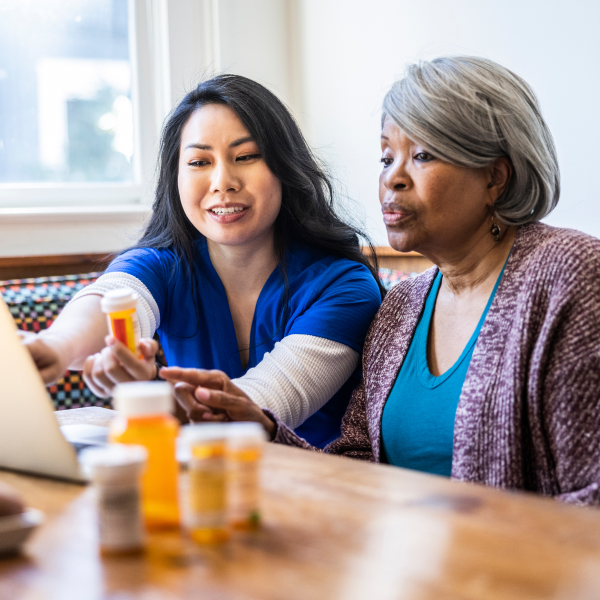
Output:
[[424, 374], [492, 337], [273, 283]]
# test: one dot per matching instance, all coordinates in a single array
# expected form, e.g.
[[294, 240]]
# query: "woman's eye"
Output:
[[423, 156], [386, 161], [247, 157], [198, 163]]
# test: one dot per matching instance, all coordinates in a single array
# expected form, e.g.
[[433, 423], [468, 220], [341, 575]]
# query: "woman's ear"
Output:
[[499, 174]]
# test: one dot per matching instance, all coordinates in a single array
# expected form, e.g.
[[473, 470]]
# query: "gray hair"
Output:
[[469, 111]]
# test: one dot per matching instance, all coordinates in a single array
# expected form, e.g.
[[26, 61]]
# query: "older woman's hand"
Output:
[[210, 395]]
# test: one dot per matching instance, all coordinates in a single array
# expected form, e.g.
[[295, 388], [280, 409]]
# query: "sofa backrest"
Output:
[[34, 304]]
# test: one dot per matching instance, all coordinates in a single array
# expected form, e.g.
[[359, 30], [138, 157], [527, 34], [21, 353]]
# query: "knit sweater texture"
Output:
[[528, 417]]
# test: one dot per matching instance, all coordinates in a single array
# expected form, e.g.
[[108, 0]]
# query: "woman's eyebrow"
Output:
[[241, 141], [233, 144], [199, 146]]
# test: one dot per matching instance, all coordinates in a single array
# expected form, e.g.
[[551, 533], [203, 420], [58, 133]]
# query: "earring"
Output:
[[495, 230]]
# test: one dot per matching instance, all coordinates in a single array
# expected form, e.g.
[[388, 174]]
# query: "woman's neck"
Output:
[[244, 269], [477, 265]]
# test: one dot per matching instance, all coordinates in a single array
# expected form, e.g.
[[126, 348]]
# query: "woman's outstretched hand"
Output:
[[48, 354], [210, 396], [117, 364]]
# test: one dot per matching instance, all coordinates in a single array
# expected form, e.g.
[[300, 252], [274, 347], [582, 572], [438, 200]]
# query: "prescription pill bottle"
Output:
[[120, 307], [115, 471], [244, 452], [204, 490], [144, 418]]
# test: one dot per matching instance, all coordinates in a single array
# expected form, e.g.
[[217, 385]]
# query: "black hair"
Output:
[[307, 205]]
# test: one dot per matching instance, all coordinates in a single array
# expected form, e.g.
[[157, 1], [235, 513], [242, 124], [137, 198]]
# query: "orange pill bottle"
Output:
[[204, 490], [144, 418], [120, 308], [245, 443]]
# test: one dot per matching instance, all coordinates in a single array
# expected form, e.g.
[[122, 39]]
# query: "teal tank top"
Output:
[[417, 426]]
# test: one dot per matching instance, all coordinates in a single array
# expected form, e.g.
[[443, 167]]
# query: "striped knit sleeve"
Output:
[[354, 441], [299, 376], [148, 312]]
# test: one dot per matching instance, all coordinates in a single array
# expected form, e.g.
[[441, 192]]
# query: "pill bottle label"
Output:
[[244, 494], [125, 326], [120, 518], [207, 493]]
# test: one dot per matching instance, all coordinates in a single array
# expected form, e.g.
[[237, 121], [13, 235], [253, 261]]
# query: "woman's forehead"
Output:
[[213, 124], [391, 132]]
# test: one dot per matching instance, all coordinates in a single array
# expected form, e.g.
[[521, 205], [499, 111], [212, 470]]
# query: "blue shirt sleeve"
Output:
[[340, 306], [151, 267]]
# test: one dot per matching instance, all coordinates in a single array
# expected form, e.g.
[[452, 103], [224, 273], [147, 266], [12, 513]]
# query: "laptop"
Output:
[[31, 440]]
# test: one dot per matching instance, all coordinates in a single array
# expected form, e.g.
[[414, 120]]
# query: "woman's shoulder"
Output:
[[144, 255], [152, 266], [404, 299], [323, 270], [566, 252], [410, 290]]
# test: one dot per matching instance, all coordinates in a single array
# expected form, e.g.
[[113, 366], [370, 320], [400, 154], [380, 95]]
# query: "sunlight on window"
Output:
[[65, 91]]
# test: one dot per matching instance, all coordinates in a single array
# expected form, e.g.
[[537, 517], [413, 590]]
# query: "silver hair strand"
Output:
[[470, 111]]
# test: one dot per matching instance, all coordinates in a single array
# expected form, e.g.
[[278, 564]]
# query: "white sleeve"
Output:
[[299, 376], [148, 313]]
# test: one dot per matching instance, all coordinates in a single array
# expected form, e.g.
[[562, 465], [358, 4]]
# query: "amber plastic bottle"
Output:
[[204, 492], [245, 443], [120, 307], [144, 418]]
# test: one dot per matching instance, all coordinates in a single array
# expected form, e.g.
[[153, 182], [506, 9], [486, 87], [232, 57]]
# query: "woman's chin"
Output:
[[399, 241]]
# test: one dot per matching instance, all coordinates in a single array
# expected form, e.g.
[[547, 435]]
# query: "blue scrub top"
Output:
[[329, 297]]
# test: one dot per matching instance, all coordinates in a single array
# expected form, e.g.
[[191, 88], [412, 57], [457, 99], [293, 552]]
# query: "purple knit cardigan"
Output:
[[528, 417]]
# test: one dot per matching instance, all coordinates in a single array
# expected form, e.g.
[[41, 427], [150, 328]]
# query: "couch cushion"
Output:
[[34, 304]]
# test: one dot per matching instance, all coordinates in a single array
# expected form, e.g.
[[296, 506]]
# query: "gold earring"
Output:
[[495, 230]]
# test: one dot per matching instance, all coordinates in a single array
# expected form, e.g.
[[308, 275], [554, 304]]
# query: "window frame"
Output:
[[149, 55]]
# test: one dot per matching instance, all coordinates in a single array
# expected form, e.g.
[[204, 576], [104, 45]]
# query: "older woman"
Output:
[[487, 366]]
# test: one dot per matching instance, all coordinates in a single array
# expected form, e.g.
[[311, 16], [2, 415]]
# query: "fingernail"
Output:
[[202, 393], [206, 416]]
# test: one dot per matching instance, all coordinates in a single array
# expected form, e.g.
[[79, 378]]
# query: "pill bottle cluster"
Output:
[[222, 488], [140, 486]]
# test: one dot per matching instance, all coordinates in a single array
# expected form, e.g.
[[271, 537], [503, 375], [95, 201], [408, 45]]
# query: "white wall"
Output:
[[332, 61], [351, 51]]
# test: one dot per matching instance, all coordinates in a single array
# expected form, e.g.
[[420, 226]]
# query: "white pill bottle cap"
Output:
[[121, 299], [114, 463], [136, 398], [243, 434]]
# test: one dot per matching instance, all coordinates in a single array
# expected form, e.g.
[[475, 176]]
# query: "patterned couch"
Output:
[[35, 303]]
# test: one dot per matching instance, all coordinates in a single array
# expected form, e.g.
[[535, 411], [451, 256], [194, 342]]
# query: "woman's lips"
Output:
[[228, 217], [394, 217]]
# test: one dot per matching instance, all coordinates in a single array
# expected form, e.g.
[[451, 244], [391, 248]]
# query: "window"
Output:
[[65, 91], [68, 79]]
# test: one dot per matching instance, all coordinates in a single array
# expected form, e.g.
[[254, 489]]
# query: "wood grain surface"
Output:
[[334, 528]]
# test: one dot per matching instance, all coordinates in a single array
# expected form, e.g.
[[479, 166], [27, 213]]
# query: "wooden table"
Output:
[[334, 528]]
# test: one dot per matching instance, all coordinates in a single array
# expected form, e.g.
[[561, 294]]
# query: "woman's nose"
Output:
[[395, 176], [223, 179]]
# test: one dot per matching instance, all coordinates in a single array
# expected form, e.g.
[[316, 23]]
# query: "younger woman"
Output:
[[244, 267]]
